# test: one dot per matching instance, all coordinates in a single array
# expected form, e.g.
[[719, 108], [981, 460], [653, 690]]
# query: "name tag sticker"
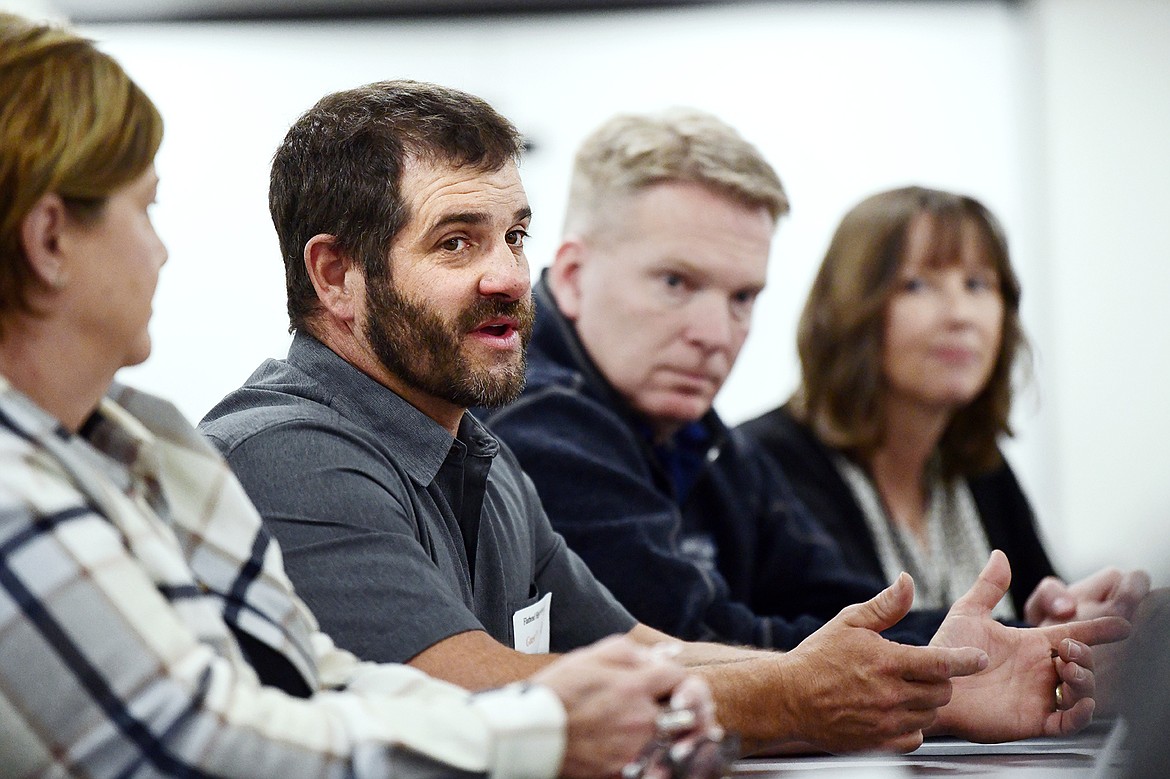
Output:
[[530, 626]]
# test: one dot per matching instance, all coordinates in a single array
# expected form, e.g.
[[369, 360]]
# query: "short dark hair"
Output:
[[840, 336], [338, 170]]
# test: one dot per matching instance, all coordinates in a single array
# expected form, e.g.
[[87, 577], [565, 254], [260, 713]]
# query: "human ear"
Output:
[[40, 237], [336, 278], [565, 276]]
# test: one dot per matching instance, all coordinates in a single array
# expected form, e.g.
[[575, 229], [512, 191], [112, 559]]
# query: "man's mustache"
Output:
[[522, 310]]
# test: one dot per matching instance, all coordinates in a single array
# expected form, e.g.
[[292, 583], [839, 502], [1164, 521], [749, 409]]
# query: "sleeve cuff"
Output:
[[529, 727]]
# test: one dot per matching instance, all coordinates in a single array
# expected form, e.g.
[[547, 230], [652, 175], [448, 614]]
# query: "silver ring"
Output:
[[672, 721]]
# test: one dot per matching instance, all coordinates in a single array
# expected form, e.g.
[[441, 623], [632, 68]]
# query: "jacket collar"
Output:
[[555, 339]]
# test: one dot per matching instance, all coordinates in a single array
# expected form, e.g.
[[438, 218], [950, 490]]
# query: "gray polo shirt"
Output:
[[397, 535]]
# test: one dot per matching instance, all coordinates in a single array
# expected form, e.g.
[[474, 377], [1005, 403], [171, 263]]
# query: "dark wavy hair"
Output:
[[339, 169], [840, 336]]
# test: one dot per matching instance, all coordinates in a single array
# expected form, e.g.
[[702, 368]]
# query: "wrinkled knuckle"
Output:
[[888, 660], [944, 666], [850, 613], [943, 694], [892, 698]]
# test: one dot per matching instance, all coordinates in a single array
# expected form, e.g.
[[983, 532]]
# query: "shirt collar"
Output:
[[418, 443]]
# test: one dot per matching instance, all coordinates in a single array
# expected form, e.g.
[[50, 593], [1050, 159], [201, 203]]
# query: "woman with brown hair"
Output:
[[908, 342]]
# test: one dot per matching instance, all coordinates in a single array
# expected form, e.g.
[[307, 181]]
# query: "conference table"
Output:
[[1090, 754]]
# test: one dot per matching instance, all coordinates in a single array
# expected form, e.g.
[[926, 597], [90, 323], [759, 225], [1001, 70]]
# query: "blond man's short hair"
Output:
[[633, 151]]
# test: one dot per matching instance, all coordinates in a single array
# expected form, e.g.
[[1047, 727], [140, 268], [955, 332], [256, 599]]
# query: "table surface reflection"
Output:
[[1087, 755]]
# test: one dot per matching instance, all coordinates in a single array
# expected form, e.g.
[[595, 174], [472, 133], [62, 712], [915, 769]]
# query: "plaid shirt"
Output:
[[128, 555]]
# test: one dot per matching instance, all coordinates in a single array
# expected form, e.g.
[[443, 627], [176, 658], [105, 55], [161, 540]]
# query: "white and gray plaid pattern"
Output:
[[125, 555]]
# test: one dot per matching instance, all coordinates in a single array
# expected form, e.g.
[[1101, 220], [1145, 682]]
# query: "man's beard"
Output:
[[416, 345]]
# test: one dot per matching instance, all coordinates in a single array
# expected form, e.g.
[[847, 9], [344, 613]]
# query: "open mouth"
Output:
[[498, 330], [499, 327]]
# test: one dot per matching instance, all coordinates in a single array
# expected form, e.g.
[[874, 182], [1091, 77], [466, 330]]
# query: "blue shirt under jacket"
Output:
[[737, 558]]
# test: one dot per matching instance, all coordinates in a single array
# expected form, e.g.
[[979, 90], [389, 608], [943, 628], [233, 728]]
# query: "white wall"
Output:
[[1105, 186], [844, 98]]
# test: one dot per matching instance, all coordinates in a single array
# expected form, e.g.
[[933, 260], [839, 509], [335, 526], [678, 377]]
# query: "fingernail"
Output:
[[1072, 650]]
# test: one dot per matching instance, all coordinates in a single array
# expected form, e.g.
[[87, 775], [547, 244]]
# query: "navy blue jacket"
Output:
[[1003, 509], [776, 577]]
